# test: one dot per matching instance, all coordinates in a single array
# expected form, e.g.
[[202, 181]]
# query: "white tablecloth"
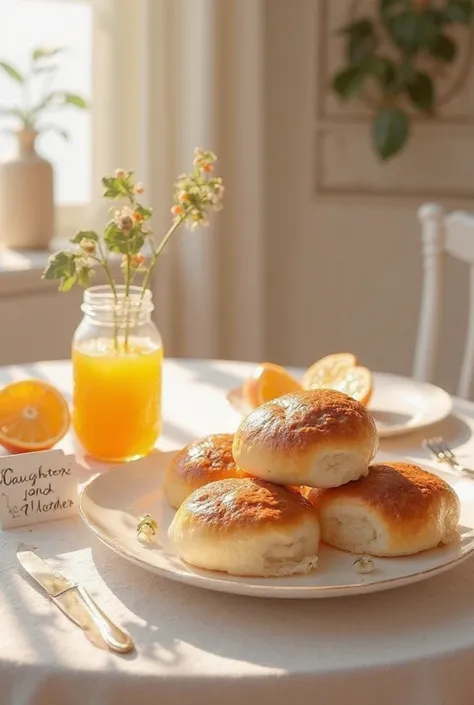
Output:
[[411, 646]]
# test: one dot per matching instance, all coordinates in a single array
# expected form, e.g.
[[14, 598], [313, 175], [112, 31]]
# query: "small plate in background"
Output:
[[399, 404]]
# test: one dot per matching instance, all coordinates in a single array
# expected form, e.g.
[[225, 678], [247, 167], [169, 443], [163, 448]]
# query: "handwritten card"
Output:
[[37, 487]]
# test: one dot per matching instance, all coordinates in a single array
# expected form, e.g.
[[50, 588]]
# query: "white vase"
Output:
[[26, 197]]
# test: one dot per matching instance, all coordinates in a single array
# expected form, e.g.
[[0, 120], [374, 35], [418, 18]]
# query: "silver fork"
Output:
[[443, 453]]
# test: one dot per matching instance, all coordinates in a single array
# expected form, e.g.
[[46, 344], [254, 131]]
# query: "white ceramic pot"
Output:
[[26, 197]]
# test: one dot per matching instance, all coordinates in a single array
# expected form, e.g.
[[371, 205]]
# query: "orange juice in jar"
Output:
[[117, 358]]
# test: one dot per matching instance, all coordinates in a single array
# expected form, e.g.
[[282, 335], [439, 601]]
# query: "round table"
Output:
[[410, 646]]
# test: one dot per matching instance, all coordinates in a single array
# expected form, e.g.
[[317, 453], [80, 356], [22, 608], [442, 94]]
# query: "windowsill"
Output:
[[20, 270], [26, 260]]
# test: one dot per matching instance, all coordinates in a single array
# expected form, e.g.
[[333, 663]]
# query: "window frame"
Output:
[[114, 107]]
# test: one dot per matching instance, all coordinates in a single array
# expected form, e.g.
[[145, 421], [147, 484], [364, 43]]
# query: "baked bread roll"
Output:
[[396, 510], [320, 438], [246, 527], [205, 460]]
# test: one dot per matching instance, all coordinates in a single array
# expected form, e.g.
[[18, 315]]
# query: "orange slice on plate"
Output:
[[34, 416], [357, 383], [328, 370], [269, 382], [341, 372]]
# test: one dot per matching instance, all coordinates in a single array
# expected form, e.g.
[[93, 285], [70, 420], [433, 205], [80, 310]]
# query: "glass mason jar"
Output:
[[117, 357]]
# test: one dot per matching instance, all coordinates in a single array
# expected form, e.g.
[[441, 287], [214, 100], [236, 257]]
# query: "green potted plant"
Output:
[[26, 180], [393, 60]]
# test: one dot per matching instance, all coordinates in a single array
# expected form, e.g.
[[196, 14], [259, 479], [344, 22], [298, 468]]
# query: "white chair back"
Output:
[[443, 234]]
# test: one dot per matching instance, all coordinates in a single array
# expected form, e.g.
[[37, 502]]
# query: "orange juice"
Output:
[[117, 397]]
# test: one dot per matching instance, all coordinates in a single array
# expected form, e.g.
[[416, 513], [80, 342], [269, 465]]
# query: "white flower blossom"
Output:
[[123, 218]]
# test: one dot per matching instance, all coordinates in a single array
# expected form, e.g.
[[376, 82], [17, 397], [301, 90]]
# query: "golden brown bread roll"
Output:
[[396, 510], [320, 438], [200, 462], [246, 527]]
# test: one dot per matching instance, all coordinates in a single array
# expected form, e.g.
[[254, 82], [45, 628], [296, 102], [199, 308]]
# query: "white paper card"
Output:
[[37, 487]]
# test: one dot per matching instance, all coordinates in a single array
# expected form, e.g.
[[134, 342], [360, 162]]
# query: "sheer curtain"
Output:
[[200, 68]]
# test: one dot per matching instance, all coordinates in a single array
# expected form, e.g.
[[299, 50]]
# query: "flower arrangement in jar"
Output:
[[117, 350]]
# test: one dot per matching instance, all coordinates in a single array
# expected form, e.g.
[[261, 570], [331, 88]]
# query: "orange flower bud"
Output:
[[177, 210], [87, 246], [137, 217], [139, 188], [119, 174], [137, 260], [207, 167]]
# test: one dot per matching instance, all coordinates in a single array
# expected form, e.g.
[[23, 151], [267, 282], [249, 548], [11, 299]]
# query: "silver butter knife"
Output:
[[74, 601]]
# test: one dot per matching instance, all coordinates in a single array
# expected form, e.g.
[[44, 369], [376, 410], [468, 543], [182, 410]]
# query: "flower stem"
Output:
[[105, 264], [157, 252], [128, 280]]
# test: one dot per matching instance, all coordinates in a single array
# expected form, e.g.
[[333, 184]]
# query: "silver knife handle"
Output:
[[114, 637]]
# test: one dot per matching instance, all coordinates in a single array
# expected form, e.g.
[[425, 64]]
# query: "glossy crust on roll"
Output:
[[246, 527], [320, 438], [200, 462], [396, 510]]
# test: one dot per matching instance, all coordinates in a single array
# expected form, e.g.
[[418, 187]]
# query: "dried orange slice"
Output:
[[328, 370], [268, 382], [34, 415]]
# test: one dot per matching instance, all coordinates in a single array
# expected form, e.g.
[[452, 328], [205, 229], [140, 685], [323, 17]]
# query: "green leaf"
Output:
[[67, 283], [114, 187], [421, 91], [136, 243], [443, 48], [414, 30], [383, 69], [348, 82], [108, 181], [389, 9], [390, 131], [404, 29], [84, 275], [361, 47], [12, 72], [144, 212], [58, 99], [116, 240], [60, 264], [45, 52], [87, 234], [362, 40], [458, 11], [76, 100]]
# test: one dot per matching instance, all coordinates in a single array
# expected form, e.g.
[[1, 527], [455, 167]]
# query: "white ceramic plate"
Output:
[[112, 503], [399, 404]]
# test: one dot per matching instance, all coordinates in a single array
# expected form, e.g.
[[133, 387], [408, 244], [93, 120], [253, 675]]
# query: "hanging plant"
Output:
[[397, 56]]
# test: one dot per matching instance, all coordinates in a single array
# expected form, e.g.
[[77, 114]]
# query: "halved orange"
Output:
[[268, 382], [357, 383], [328, 370], [342, 372], [34, 416]]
